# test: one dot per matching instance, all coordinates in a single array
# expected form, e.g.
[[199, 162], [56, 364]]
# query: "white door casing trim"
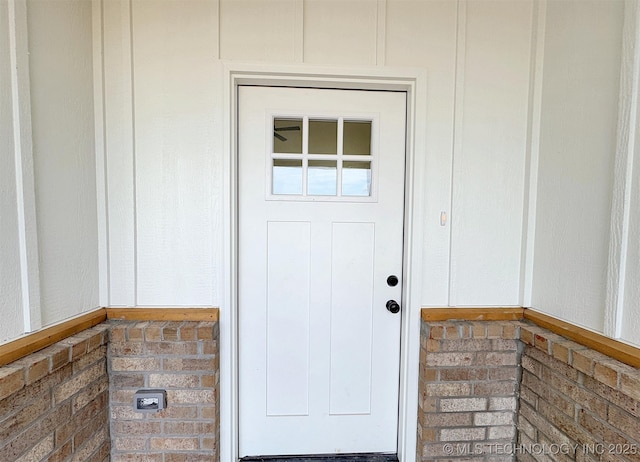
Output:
[[414, 82]]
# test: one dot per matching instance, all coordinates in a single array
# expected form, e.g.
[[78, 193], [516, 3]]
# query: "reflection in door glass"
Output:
[[322, 178], [287, 136], [323, 137], [357, 138], [287, 176], [356, 179]]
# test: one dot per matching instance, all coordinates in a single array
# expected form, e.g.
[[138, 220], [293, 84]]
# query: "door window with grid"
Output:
[[322, 158]]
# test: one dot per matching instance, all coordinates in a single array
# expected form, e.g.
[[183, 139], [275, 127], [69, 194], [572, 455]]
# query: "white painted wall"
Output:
[[411, 28], [163, 120], [580, 91], [10, 283], [489, 152], [175, 163], [163, 130], [61, 76], [630, 321]]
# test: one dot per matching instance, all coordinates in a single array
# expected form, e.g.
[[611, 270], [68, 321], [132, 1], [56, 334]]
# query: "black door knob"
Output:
[[393, 306]]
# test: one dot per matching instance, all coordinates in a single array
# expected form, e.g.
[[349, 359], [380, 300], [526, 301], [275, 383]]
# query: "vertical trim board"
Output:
[[119, 152], [25, 182], [381, 33], [458, 121], [623, 170], [100, 143], [533, 151], [298, 32]]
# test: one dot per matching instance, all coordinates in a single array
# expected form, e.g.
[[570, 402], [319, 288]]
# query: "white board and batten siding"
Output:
[[61, 77], [579, 111], [10, 281], [164, 105], [163, 119], [48, 213], [489, 152]]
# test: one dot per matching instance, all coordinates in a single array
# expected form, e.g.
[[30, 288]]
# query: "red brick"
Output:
[[463, 404], [462, 434], [135, 364], [174, 380], [505, 388], [127, 349], [494, 330], [451, 419], [176, 412], [130, 444], [527, 335], [189, 364], [136, 427], [135, 333], [599, 430], [625, 422], [433, 345], [153, 332], [617, 397], [451, 331], [170, 331], [208, 348], [466, 345], [496, 358], [584, 360], [148, 457], [59, 354], [463, 374], [503, 373], [118, 333], [448, 389], [510, 331], [210, 380], [89, 359], [61, 453], [188, 331], [36, 367], [11, 380], [436, 332], [630, 384], [541, 342], [208, 412], [603, 372], [172, 348], [12, 426], [174, 444], [205, 331], [450, 359]]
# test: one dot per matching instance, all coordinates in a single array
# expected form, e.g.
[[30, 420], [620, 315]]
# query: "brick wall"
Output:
[[575, 403], [181, 357], [468, 386], [499, 391], [54, 403]]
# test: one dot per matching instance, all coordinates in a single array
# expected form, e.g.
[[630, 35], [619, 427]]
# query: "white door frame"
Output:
[[414, 82]]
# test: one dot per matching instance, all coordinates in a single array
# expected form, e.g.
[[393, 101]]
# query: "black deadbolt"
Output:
[[393, 306], [392, 280]]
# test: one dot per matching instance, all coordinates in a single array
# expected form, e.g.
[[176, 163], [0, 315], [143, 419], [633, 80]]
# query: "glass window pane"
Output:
[[357, 138], [356, 179], [323, 137], [287, 176], [287, 136], [322, 178]]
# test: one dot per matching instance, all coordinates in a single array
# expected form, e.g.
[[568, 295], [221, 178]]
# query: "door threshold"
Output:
[[325, 457]]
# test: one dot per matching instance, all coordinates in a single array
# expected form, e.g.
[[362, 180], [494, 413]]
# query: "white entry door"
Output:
[[321, 201]]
